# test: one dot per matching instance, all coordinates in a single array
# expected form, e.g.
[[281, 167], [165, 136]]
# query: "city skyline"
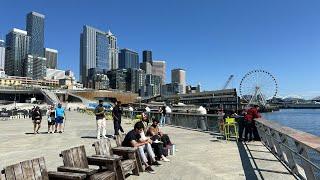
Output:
[[236, 39]]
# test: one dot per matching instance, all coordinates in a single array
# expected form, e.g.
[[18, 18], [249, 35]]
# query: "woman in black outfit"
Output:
[[36, 117]]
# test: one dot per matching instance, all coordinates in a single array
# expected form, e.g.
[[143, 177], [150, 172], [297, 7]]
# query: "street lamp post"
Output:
[[15, 97], [139, 98]]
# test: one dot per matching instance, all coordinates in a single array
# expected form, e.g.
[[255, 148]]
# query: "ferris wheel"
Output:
[[258, 86]]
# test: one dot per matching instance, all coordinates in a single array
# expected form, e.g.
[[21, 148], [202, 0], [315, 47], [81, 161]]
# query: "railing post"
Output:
[[308, 170], [291, 163], [268, 138], [276, 142], [262, 134]]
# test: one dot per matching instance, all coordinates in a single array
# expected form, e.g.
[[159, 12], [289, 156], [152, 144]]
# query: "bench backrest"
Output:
[[119, 139], [31, 169], [75, 157], [103, 147]]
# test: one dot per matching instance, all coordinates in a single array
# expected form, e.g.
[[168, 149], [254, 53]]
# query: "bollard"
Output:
[[172, 149], [203, 124], [168, 119]]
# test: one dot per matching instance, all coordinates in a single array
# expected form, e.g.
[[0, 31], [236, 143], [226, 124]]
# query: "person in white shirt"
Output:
[[131, 112]]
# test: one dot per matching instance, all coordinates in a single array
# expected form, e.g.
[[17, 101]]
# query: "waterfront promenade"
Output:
[[199, 155]]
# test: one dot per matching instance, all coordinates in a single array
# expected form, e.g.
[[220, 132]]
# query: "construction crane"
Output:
[[228, 82]]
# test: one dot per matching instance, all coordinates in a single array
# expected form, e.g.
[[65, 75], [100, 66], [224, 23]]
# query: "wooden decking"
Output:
[[199, 155]]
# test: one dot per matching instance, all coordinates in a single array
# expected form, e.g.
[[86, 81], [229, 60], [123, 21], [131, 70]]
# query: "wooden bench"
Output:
[[76, 160], [36, 169], [119, 150], [128, 162]]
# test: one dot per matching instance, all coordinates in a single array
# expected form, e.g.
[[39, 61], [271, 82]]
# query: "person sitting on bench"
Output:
[[133, 139], [155, 134]]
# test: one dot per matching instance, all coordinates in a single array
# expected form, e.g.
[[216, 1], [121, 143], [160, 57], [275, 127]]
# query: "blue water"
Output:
[[307, 120]]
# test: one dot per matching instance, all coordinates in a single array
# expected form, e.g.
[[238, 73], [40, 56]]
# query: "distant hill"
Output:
[[316, 98]]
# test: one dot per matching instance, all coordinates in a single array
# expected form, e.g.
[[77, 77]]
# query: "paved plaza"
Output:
[[199, 155]]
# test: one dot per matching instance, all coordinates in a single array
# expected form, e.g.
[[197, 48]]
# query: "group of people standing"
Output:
[[54, 116], [246, 123], [116, 113]]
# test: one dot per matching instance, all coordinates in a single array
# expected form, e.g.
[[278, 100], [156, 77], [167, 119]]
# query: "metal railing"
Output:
[[300, 151], [51, 97], [20, 114], [207, 122]]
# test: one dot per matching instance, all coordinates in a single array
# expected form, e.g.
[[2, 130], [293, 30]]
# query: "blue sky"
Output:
[[211, 39]]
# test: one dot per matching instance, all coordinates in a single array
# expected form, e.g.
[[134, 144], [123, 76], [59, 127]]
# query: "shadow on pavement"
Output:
[[94, 137], [249, 162], [246, 164], [38, 133]]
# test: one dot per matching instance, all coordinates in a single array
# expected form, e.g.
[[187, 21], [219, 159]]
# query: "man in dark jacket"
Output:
[[116, 114], [250, 128]]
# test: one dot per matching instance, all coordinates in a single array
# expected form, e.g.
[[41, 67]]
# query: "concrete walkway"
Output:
[[199, 156]]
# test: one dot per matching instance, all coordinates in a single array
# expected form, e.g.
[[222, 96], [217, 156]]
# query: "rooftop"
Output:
[[51, 50], [37, 14], [16, 30]]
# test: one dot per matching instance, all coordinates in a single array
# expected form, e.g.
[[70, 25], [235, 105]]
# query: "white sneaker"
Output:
[[105, 137], [98, 137], [165, 159]]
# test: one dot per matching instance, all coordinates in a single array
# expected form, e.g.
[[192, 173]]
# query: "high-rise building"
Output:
[[135, 80], [2, 54], [35, 67], [92, 73], [101, 82], [171, 89], [159, 69], [147, 67], [147, 56], [98, 49], [113, 51], [17, 48], [153, 85], [35, 29], [97, 79], [118, 79], [51, 55], [128, 59], [179, 76]]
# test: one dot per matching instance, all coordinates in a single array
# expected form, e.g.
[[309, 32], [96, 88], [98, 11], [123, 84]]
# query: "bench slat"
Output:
[[97, 148], [86, 171], [75, 156], [67, 158], [18, 174], [9, 172], [83, 157], [36, 169], [43, 169], [28, 173], [64, 175], [103, 148]]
